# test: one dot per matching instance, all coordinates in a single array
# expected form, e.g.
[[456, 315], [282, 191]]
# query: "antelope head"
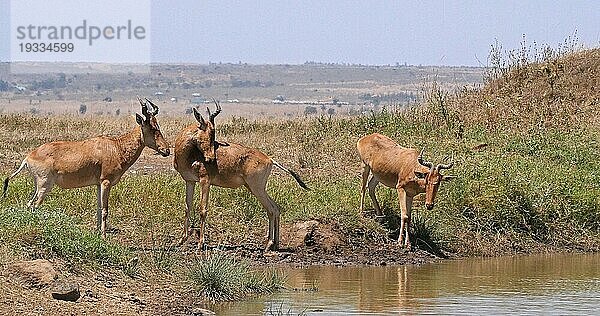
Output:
[[430, 177], [205, 136], [151, 134]]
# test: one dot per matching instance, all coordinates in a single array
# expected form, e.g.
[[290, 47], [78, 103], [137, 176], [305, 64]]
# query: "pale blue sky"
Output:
[[366, 32]]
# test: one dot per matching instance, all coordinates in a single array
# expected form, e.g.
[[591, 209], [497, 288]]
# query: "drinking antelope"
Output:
[[400, 168], [99, 161], [199, 158]]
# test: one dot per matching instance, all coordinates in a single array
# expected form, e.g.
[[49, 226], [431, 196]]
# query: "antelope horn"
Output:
[[154, 107], [213, 115], [144, 107], [448, 166], [423, 162], [199, 117]]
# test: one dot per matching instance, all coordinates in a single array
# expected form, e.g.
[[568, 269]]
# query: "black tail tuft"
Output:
[[300, 182], [295, 175], [5, 188]]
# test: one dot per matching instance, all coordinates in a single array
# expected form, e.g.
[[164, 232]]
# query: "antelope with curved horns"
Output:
[[401, 168], [199, 158], [99, 161]]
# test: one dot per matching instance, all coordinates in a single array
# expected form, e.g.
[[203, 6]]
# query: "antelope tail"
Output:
[[295, 175], [5, 188]]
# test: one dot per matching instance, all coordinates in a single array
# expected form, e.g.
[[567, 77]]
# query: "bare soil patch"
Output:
[[315, 242]]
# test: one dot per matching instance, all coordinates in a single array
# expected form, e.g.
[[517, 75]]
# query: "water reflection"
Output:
[[557, 284]]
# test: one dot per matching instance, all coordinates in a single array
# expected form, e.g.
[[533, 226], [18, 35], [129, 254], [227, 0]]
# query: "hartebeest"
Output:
[[401, 168], [99, 161], [199, 158]]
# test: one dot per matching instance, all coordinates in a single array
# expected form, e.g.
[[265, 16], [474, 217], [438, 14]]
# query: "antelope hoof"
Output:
[[270, 246], [198, 235], [202, 246]]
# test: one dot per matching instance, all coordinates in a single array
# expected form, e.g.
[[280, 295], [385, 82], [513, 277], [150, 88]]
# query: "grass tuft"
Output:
[[219, 277]]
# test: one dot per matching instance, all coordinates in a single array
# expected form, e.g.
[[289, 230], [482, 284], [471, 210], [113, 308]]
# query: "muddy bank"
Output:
[[150, 293], [315, 242]]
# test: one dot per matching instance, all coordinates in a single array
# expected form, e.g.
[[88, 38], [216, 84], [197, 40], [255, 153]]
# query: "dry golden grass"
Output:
[[560, 92]]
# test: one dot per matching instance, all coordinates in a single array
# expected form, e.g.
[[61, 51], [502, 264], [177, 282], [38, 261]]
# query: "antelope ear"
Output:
[[139, 119], [448, 178]]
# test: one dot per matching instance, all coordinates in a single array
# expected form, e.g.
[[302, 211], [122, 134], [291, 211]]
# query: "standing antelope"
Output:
[[199, 158], [400, 168], [99, 161]]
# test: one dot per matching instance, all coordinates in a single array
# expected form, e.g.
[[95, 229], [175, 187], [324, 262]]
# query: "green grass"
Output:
[[221, 278], [522, 193], [48, 234]]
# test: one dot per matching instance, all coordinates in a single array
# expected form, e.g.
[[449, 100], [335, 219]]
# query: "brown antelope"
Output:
[[99, 161], [199, 158], [400, 168]]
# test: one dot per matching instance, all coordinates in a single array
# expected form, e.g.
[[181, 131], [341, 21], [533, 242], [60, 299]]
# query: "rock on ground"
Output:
[[35, 273], [66, 292]]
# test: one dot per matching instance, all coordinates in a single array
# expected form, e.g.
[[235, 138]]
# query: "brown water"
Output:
[[566, 284]]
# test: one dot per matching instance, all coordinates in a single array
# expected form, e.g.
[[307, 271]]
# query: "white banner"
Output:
[[92, 32]]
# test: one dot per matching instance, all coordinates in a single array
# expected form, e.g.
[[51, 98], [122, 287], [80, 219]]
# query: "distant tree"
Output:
[[118, 112], [4, 86], [46, 84], [310, 110], [331, 111], [82, 108]]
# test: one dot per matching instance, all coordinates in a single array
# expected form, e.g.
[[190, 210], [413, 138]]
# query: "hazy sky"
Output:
[[366, 32]]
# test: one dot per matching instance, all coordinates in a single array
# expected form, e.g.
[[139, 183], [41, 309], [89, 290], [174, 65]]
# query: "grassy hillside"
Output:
[[554, 91]]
